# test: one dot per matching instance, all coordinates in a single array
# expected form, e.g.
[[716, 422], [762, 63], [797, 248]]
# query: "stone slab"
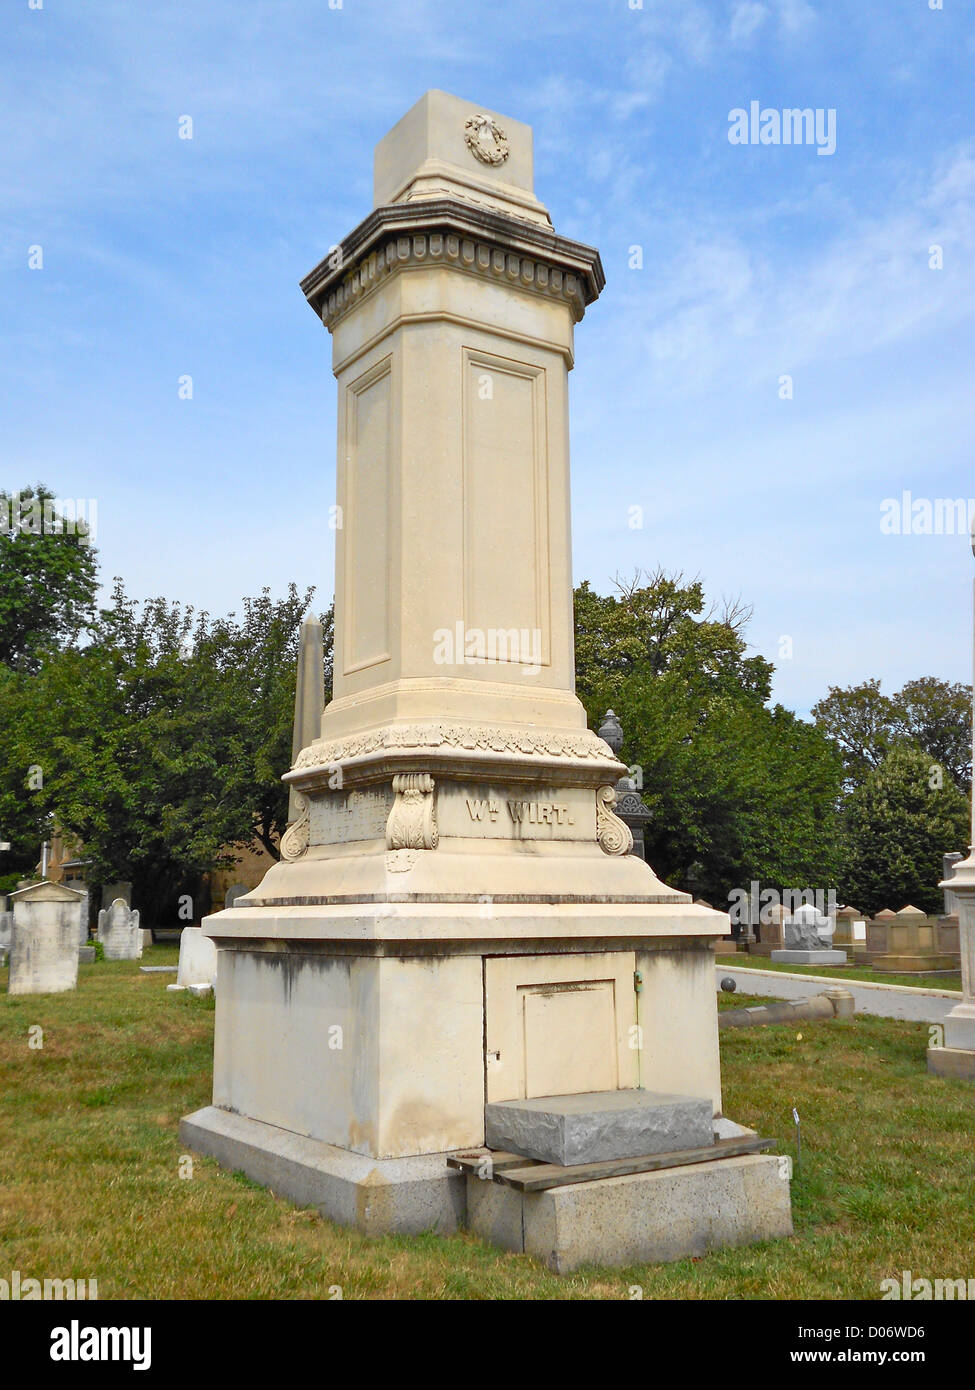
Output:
[[797, 957], [955, 1062], [598, 1125], [641, 1218], [401, 1196], [86, 955]]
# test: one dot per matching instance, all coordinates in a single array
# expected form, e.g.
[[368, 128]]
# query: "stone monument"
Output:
[[809, 939], [630, 806], [44, 946], [956, 1057], [456, 921], [119, 931]]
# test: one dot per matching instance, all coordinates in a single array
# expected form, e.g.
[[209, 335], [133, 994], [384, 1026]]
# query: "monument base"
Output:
[[652, 1217], [956, 1062], [644, 1217], [392, 1196], [797, 957]]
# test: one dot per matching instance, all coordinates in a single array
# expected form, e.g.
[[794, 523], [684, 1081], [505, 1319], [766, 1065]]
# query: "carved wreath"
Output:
[[486, 140]]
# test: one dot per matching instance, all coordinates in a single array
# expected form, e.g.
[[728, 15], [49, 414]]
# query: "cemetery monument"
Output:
[[456, 924]]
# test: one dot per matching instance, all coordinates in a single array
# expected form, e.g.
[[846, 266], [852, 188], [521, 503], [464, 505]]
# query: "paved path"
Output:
[[885, 1001]]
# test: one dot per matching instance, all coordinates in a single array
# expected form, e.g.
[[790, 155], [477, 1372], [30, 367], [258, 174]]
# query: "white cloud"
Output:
[[748, 16]]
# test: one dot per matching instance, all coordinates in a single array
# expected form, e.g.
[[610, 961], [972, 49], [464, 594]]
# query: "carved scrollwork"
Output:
[[412, 822], [294, 841], [613, 834]]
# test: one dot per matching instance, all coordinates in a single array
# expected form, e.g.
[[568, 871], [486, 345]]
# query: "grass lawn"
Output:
[[844, 972], [90, 1186]]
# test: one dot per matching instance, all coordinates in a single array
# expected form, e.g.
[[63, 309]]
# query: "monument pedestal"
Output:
[[818, 957], [456, 920]]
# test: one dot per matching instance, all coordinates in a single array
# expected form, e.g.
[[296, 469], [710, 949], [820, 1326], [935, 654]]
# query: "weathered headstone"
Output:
[[197, 960], [44, 948], [906, 942], [456, 919], [6, 925], [235, 891], [119, 931], [809, 939]]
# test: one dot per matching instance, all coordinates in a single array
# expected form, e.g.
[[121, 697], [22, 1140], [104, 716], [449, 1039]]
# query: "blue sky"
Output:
[[164, 257]]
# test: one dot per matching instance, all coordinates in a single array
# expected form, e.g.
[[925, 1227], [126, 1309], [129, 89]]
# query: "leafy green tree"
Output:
[[738, 790], [48, 578], [936, 716], [164, 739], [899, 824], [932, 715]]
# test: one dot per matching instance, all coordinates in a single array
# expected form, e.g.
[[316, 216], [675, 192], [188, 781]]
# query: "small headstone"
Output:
[[235, 891], [197, 960], [6, 925], [44, 948], [119, 931], [809, 939]]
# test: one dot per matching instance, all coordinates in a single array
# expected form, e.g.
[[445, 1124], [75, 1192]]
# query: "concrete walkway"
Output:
[[885, 1001]]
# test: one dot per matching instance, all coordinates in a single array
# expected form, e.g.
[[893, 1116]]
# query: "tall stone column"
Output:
[[957, 1055], [456, 919]]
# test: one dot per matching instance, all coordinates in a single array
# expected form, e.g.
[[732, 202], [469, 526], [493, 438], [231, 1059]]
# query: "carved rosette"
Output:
[[294, 841], [613, 834], [412, 821]]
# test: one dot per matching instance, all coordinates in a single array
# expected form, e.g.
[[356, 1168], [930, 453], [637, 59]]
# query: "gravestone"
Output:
[[907, 942], [197, 960], [44, 946], [6, 925], [235, 891], [808, 937], [119, 931], [456, 920]]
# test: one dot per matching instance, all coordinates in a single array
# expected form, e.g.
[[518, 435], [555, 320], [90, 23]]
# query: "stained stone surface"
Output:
[[818, 957], [597, 1126]]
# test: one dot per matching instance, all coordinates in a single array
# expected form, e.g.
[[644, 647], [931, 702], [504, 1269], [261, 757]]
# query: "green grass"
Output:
[[90, 1160], [844, 972]]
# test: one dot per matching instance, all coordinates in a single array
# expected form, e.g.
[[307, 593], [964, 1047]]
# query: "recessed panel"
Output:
[[366, 519]]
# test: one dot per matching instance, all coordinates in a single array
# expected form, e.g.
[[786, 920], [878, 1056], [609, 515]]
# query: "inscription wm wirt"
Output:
[[521, 812]]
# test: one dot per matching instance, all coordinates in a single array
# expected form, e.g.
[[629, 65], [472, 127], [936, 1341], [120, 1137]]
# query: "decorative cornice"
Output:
[[471, 737], [478, 240]]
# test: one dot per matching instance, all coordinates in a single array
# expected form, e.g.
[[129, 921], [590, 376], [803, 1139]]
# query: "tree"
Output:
[[738, 790], [900, 822], [164, 739], [931, 715], [936, 716], [48, 578], [860, 720]]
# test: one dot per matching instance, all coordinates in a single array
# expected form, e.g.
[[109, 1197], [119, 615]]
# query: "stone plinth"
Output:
[[595, 1126], [119, 931], [44, 946], [642, 1218], [906, 942], [819, 957]]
